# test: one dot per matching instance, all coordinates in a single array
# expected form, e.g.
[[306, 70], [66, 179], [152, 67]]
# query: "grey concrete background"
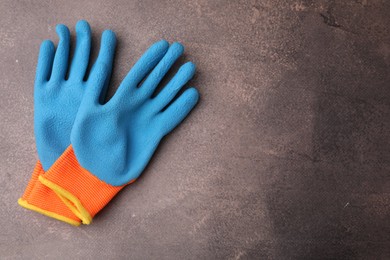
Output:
[[285, 157]]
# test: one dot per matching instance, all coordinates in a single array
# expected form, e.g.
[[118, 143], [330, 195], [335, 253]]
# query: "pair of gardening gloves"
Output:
[[89, 150]]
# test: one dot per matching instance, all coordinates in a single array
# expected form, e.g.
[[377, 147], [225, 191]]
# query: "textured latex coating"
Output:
[[57, 98], [115, 141]]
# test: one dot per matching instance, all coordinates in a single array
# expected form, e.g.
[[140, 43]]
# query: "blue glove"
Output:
[[56, 101], [112, 143]]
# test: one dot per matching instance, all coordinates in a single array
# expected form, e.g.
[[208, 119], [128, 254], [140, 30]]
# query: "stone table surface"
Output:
[[286, 156]]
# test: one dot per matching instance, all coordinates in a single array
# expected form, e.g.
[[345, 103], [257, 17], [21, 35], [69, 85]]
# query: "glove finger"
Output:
[[101, 70], [162, 68], [185, 73], [45, 61], [60, 64], [143, 66], [83, 48], [178, 110]]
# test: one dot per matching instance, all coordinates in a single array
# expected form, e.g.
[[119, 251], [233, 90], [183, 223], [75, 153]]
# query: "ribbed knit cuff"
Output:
[[38, 170], [39, 198], [85, 194]]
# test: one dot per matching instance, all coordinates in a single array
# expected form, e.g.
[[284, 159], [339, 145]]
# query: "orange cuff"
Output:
[[39, 198], [38, 170], [84, 193]]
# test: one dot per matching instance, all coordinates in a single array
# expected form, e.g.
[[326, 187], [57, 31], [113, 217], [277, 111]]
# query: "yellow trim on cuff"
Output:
[[69, 199], [26, 205], [69, 204]]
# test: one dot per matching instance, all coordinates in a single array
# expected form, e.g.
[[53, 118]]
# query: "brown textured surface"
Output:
[[285, 157]]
